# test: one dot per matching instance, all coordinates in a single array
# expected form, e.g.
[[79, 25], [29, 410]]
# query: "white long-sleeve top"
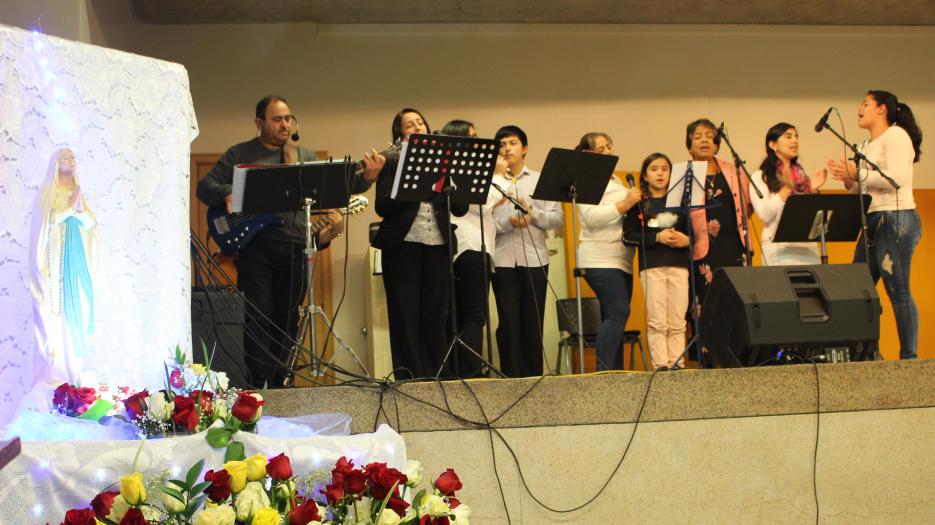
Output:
[[525, 246], [893, 153], [601, 234], [769, 209], [468, 231]]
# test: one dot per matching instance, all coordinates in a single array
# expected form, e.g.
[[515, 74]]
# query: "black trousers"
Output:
[[272, 276], [471, 295], [520, 295], [416, 280]]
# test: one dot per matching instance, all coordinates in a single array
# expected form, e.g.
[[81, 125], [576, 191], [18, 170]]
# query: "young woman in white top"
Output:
[[893, 226], [783, 177], [607, 262]]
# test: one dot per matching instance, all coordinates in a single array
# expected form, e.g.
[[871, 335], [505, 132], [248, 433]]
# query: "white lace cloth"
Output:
[[130, 122], [50, 477]]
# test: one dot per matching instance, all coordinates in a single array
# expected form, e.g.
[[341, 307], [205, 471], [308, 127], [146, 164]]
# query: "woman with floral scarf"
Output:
[[783, 176]]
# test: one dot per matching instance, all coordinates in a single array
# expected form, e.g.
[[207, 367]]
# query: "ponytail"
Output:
[[899, 114]]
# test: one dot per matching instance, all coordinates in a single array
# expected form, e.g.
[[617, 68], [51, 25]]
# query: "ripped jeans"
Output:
[[891, 258]]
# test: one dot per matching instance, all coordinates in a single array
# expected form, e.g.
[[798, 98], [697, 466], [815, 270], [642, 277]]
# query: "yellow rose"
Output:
[[389, 517], [222, 515], [238, 472], [198, 369], [256, 467], [266, 516], [132, 489], [252, 498], [118, 509], [413, 473], [432, 505], [461, 513]]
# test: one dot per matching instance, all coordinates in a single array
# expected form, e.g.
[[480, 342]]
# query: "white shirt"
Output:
[[769, 209], [468, 231], [424, 227], [525, 246], [601, 234], [893, 153]]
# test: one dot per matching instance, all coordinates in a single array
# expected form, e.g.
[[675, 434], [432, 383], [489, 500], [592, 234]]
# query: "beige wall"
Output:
[[641, 84]]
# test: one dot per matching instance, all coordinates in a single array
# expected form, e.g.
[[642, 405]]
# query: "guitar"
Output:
[[233, 232]]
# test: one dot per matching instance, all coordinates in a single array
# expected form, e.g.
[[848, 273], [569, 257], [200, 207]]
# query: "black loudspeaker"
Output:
[[819, 313], [217, 319]]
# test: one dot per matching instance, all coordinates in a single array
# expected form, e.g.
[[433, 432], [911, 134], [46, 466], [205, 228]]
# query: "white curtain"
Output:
[[130, 122]]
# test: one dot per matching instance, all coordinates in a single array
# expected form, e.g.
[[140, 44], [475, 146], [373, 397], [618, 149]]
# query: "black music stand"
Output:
[[578, 177], [823, 218], [312, 187], [462, 168]]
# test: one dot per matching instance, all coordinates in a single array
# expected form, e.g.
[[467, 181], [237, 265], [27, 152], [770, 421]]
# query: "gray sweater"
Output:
[[217, 184]]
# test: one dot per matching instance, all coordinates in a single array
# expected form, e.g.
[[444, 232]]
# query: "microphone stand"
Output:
[[742, 167], [858, 158], [519, 207]]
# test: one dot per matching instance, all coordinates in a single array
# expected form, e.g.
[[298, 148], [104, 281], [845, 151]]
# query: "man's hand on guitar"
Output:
[[334, 229], [373, 163], [229, 202]]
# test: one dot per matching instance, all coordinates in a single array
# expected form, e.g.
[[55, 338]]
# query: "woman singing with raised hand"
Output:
[[783, 176], [893, 226]]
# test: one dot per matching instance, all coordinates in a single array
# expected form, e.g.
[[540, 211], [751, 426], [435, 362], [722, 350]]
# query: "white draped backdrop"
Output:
[[130, 122]]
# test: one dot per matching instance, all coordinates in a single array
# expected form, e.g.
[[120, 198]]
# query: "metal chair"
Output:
[[591, 320]]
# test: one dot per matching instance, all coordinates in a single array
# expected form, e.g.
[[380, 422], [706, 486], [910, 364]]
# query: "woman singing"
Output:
[[607, 262], [784, 176], [893, 226], [413, 238]]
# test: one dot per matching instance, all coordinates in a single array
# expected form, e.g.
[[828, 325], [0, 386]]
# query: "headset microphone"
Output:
[[295, 134]]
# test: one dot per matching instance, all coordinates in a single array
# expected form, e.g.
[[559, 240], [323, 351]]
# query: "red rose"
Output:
[[429, 520], [136, 404], [205, 399], [343, 465], [85, 398], [79, 517], [134, 516], [448, 483], [220, 488], [246, 407], [453, 502], [334, 492], [102, 503], [399, 505], [381, 479], [279, 468], [63, 396], [304, 513], [185, 414], [355, 481]]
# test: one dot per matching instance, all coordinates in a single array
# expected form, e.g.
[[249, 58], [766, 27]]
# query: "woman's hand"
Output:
[[842, 170], [373, 163], [76, 200], [819, 179], [633, 197]]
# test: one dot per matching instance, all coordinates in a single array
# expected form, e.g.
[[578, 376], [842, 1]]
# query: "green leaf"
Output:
[[199, 488], [96, 411], [192, 476], [194, 505], [218, 437], [417, 499], [235, 452], [174, 493]]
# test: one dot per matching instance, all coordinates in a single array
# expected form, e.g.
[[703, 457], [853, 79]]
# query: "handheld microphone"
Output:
[[295, 134], [721, 130], [824, 120], [630, 180]]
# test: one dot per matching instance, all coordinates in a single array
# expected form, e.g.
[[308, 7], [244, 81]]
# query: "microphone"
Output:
[[295, 134], [824, 120], [630, 180], [721, 130]]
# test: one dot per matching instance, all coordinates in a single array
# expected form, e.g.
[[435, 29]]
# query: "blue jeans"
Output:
[[614, 289], [891, 258]]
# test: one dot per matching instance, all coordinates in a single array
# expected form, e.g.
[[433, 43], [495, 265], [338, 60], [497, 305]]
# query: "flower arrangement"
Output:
[[195, 398], [259, 491]]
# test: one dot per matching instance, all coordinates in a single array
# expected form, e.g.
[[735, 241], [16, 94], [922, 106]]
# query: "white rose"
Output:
[[461, 513], [159, 408], [221, 380], [251, 498], [222, 515], [388, 517], [220, 408], [118, 509], [170, 502], [433, 505], [363, 508], [413, 473]]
